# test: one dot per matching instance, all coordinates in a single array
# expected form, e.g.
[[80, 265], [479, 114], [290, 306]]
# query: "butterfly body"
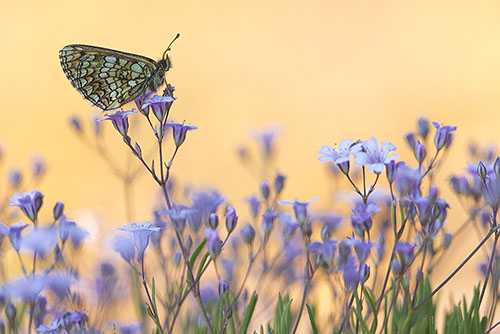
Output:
[[109, 78]]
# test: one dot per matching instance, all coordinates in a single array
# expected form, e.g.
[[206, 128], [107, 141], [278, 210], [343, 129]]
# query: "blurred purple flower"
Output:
[[362, 249], [15, 235], [374, 156], [267, 138], [361, 217], [29, 203], [141, 233], [206, 202], [254, 204], [40, 240], [38, 166], [15, 177], [125, 246], [131, 328], [289, 226], [299, 208], [25, 288], [60, 282], [350, 274]]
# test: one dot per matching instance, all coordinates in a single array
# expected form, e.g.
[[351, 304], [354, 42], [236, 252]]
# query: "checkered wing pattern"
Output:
[[106, 78]]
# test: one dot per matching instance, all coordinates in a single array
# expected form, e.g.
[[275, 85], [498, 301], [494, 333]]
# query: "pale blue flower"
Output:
[[374, 156]]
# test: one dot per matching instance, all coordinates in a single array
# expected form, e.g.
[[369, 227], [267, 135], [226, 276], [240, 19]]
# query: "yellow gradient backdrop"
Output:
[[323, 70]]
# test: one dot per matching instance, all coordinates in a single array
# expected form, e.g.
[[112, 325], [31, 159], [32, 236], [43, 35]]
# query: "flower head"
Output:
[[29, 203], [443, 135], [341, 155], [40, 240], [25, 288], [141, 233], [267, 138], [375, 157], [159, 104], [214, 245], [299, 208], [179, 131], [15, 234], [361, 217], [120, 120]]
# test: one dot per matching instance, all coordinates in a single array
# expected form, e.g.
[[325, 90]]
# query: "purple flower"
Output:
[[120, 120], [268, 218], [76, 124], [15, 177], [53, 329], [178, 216], [254, 203], [361, 217], [139, 102], [407, 181], [362, 249], [443, 135], [405, 251], [374, 156], [60, 283], [179, 131], [300, 208], [38, 166], [77, 235], [29, 203], [350, 274], [141, 233], [214, 245], [160, 105], [25, 288], [266, 138], [423, 127], [39, 310], [279, 183], [342, 156], [206, 202], [125, 247], [329, 248], [265, 190], [15, 235], [40, 240], [289, 227], [131, 328]]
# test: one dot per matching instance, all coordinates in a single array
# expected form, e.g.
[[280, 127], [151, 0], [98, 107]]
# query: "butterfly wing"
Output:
[[106, 78]]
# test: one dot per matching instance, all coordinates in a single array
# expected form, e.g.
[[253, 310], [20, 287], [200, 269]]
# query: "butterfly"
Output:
[[109, 78]]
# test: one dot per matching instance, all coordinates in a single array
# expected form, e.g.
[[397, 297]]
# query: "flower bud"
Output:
[[423, 127], [58, 210], [10, 313], [223, 288], [231, 219], [265, 190], [214, 246], [213, 220], [177, 258], [268, 222], [248, 234], [481, 170], [364, 272], [420, 152], [279, 183], [325, 233]]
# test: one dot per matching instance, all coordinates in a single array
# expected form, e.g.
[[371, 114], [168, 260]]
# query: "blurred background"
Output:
[[320, 71]]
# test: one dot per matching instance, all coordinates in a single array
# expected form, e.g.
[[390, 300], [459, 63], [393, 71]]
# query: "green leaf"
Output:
[[314, 326], [248, 313]]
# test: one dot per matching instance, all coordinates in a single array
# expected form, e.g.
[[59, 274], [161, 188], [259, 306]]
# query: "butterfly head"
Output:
[[165, 61]]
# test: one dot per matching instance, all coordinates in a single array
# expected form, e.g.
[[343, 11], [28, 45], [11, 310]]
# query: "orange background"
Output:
[[323, 70]]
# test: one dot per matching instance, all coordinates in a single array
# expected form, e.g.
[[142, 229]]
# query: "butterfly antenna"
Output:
[[168, 48]]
